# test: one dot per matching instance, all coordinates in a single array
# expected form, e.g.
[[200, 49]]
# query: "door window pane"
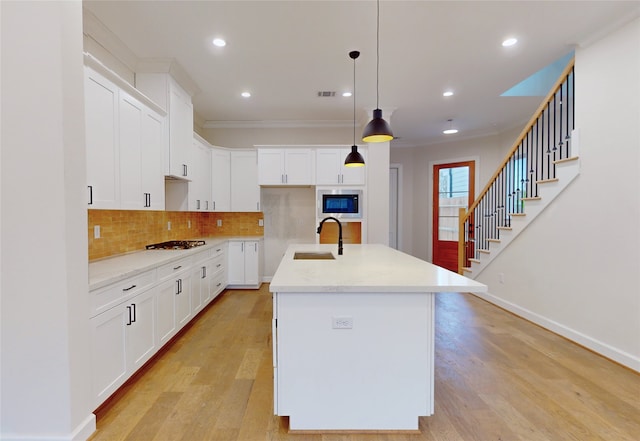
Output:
[[453, 190]]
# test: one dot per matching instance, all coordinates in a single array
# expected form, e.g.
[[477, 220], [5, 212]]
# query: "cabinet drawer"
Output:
[[109, 296], [218, 250], [174, 267], [218, 283], [199, 257], [218, 263]]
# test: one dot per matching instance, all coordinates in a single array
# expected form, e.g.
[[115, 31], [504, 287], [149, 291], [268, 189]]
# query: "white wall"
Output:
[[575, 269], [45, 372]]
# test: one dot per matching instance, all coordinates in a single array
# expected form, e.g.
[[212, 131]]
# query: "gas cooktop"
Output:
[[176, 245]]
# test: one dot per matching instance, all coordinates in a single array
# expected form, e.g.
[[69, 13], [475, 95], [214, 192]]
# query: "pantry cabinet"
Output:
[[220, 180], [286, 166], [245, 191], [330, 168], [244, 268]]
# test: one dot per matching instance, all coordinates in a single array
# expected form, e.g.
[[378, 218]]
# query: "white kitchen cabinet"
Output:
[[124, 139], [183, 299], [200, 185], [166, 311], [244, 263], [123, 339], [286, 166], [245, 191], [168, 94], [130, 117], [330, 169], [220, 180], [103, 155], [152, 167]]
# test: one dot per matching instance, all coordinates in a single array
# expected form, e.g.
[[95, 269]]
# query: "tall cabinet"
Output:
[[245, 191]]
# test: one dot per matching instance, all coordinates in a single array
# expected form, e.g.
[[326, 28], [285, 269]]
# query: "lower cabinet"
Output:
[[244, 263], [123, 340]]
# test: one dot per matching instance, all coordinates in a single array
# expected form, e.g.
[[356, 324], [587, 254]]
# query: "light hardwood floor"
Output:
[[498, 377]]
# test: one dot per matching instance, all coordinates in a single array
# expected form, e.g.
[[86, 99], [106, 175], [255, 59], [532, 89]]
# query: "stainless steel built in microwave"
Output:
[[340, 203]]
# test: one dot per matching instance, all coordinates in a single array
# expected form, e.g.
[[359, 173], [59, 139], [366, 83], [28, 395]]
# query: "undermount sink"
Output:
[[313, 255]]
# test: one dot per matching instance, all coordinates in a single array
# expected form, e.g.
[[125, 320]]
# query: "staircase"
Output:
[[541, 164]]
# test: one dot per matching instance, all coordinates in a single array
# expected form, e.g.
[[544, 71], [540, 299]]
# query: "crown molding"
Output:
[[97, 31], [277, 124], [171, 67]]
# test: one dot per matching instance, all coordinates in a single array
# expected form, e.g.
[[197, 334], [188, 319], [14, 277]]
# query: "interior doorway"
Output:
[[453, 188]]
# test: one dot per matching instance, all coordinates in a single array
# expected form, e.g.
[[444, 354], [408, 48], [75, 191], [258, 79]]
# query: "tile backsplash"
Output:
[[123, 231]]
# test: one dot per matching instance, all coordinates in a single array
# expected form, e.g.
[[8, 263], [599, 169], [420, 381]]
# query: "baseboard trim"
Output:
[[625, 359], [81, 433]]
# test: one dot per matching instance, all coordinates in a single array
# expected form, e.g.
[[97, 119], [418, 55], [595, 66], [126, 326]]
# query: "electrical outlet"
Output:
[[96, 232], [261, 222], [168, 225], [219, 222], [342, 322], [188, 224]]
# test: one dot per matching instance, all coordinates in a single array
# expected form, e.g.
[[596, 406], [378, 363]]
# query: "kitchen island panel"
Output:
[[374, 376]]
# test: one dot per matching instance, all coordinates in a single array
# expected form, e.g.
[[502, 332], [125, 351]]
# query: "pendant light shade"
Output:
[[378, 130], [354, 159]]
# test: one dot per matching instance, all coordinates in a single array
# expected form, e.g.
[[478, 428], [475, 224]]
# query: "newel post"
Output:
[[462, 213]]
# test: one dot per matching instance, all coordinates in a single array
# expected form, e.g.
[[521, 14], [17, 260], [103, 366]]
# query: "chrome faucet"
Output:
[[339, 231]]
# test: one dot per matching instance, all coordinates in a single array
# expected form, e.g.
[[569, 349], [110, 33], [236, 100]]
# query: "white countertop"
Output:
[[113, 269], [365, 268]]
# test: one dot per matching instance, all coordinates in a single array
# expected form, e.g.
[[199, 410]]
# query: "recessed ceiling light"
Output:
[[245, 94], [347, 94], [448, 93], [509, 42], [219, 42]]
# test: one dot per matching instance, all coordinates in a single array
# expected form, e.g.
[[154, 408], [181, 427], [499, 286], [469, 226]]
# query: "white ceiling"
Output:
[[284, 52]]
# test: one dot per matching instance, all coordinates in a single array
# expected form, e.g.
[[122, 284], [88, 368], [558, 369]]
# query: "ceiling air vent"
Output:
[[324, 93]]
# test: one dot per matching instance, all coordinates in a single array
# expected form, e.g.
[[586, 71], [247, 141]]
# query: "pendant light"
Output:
[[378, 130], [354, 159]]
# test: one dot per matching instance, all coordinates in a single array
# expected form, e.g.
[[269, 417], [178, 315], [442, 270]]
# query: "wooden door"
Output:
[[452, 189]]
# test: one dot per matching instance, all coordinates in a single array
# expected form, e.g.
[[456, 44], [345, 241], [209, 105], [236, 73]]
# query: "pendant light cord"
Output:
[[354, 100], [378, 56]]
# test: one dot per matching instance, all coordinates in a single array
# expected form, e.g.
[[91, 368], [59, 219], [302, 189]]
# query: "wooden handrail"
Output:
[[464, 214]]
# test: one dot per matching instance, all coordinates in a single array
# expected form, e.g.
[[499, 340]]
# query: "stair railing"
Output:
[[531, 161]]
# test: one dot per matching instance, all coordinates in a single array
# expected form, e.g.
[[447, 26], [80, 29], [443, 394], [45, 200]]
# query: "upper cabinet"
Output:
[[200, 184], [103, 155], [220, 179], [124, 142], [330, 169], [165, 91], [245, 191], [285, 166]]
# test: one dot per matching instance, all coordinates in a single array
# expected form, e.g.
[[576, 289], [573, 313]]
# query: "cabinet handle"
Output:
[[149, 202], [214, 205], [197, 204], [129, 310], [242, 247], [219, 283], [206, 205], [147, 199], [286, 178], [134, 312], [218, 250], [90, 194], [179, 285], [184, 169], [218, 265], [255, 247], [177, 267], [204, 272], [128, 289]]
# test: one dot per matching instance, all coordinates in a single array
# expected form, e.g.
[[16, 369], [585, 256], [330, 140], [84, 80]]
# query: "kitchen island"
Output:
[[353, 337]]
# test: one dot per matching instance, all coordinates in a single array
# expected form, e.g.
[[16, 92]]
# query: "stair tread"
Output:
[[494, 240], [505, 228], [560, 161], [547, 181], [535, 198], [474, 260], [517, 214], [484, 251], [467, 269]]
